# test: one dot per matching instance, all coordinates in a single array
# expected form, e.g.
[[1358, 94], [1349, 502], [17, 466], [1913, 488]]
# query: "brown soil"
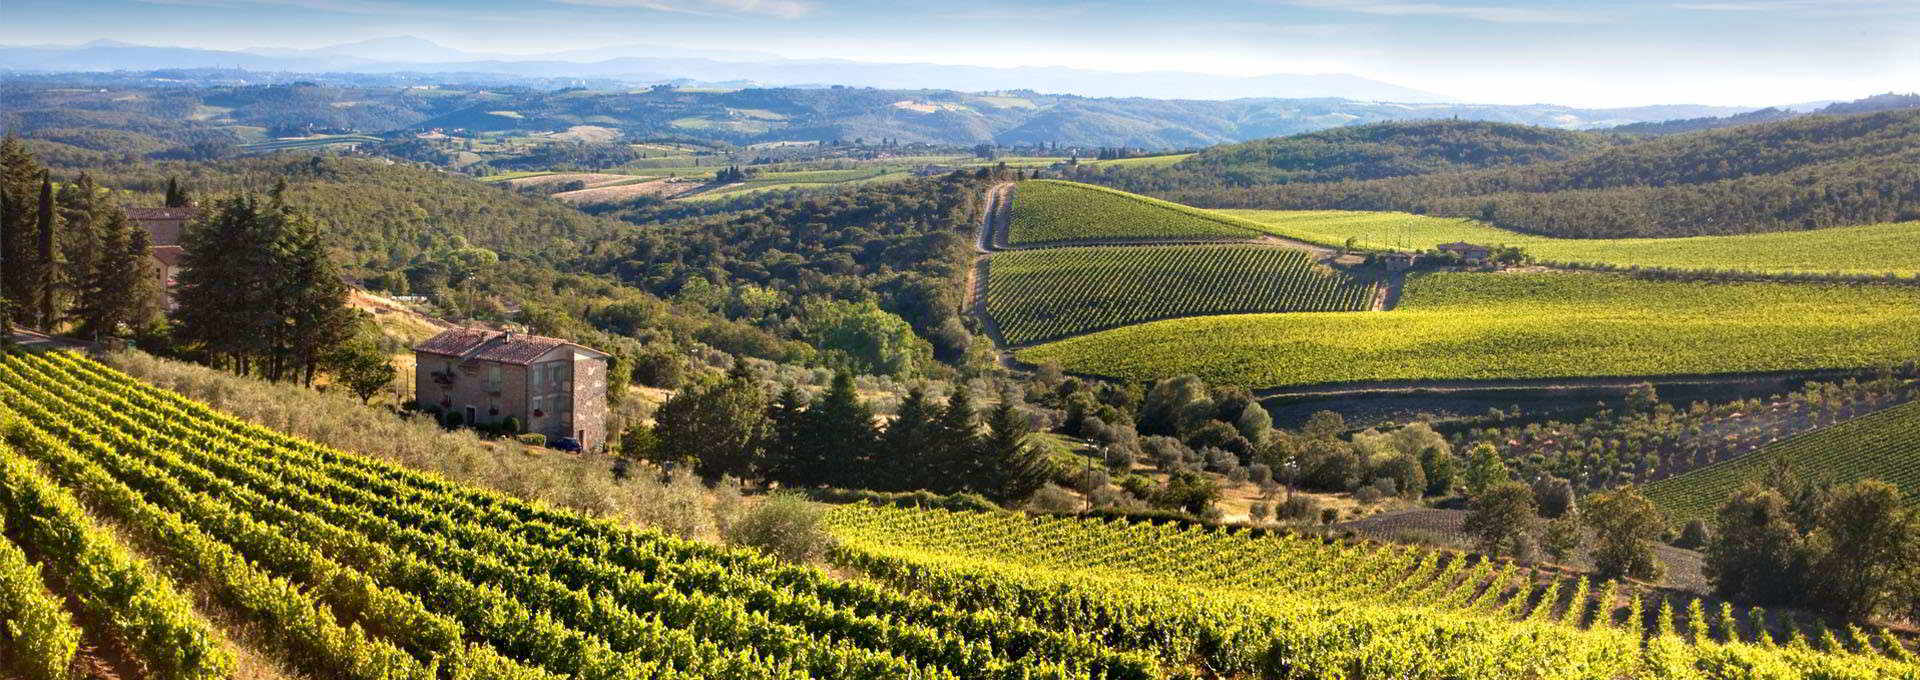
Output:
[[659, 188], [592, 179]]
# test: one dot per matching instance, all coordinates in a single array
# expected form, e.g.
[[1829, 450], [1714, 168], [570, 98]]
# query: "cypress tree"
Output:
[[47, 267], [176, 198]]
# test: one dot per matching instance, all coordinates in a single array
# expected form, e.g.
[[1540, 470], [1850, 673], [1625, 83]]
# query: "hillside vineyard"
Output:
[[1884, 445], [1305, 607], [370, 571], [1043, 295]]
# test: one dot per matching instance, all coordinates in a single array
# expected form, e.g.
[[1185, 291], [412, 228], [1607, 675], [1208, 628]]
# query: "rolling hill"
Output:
[[1883, 445], [1803, 173]]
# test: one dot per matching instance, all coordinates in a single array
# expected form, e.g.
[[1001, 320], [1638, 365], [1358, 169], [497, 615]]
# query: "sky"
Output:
[[1583, 53]]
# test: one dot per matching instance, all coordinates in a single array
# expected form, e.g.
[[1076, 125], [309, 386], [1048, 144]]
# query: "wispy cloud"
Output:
[[786, 9], [1846, 6], [1484, 12], [343, 6]]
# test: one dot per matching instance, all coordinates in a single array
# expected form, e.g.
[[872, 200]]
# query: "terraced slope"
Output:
[[1040, 295], [1277, 606], [1870, 249], [1059, 212], [1883, 446], [1462, 326]]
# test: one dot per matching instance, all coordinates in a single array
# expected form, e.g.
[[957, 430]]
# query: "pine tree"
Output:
[[903, 449], [1009, 468], [17, 173], [951, 446], [82, 216], [844, 435], [220, 309], [120, 290], [785, 448], [312, 298]]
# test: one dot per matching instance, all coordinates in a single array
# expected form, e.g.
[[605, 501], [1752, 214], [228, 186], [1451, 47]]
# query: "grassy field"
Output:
[[1053, 211], [1874, 249], [1883, 446], [1496, 326], [1041, 295]]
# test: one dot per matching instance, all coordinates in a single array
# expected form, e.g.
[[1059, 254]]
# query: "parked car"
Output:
[[567, 444]]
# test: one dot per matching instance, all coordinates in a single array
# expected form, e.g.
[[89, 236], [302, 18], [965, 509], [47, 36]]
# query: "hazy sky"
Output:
[[1597, 52]]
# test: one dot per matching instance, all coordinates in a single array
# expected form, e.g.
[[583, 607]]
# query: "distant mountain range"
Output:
[[647, 64]]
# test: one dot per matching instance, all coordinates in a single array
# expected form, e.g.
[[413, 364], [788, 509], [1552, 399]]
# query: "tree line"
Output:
[[735, 427], [70, 261]]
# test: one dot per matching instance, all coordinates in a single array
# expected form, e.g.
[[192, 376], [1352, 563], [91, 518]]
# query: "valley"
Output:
[[959, 348]]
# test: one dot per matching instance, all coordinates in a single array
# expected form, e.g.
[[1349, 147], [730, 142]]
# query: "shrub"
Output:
[[1368, 495], [1297, 507], [532, 439], [1259, 512], [511, 425], [1329, 515], [786, 526], [1054, 500]]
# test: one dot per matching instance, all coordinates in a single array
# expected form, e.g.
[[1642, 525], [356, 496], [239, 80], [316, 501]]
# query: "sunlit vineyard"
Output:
[[1053, 211], [1883, 446], [1868, 249], [362, 570], [1495, 326], [1249, 605], [1046, 294]]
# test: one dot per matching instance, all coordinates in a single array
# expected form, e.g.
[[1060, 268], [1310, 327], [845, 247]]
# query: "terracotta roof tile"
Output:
[[169, 255], [479, 344]]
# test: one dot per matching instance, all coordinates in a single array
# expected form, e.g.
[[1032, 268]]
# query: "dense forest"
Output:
[[1804, 173], [900, 246]]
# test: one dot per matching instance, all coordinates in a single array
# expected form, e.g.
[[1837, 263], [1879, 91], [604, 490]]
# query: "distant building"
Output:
[[1396, 261], [551, 386], [1467, 251], [166, 266], [164, 225]]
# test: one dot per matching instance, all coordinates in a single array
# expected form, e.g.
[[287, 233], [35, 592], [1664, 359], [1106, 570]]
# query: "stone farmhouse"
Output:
[[164, 227], [547, 385], [1467, 251]]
